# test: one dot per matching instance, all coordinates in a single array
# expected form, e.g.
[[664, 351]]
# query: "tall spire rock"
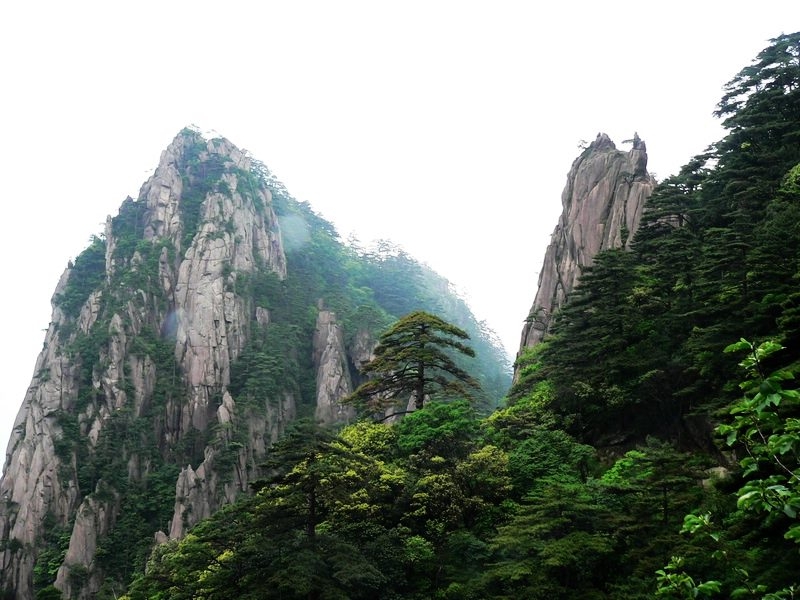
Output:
[[602, 206], [136, 364]]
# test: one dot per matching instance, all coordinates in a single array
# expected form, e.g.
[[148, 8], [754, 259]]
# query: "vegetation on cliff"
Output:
[[629, 461], [123, 428]]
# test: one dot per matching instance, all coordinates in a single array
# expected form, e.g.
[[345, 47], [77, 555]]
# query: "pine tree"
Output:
[[412, 359]]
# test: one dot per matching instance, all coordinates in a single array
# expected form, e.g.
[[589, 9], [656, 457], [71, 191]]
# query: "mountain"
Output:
[[676, 359], [637, 350], [660, 416], [645, 449], [214, 311], [603, 202]]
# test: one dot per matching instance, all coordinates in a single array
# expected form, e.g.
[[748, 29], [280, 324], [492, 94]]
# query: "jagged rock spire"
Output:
[[602, 204]]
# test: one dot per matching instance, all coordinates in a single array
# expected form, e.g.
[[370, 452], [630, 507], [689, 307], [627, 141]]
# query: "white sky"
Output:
[[445, 126]]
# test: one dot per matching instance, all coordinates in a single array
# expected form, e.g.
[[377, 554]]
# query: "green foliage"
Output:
[[413, 359], [674, 583], [128, 228], [485, 480], [546, 452], [425, 508], [52, 553], [86, 275], [146, 507], [528, 367], [507, 426], [558, 545], [762, 424], [378, 440], [268, 366], [49, 593], [444, 429], [293, 539], [401, 285], [397, 280]]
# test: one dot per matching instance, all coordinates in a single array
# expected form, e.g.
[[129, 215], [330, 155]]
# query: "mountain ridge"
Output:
[[214, 310]]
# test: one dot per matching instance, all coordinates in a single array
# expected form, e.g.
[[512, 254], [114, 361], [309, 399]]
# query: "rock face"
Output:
[[333, 371], [602, 206], [136, 365]]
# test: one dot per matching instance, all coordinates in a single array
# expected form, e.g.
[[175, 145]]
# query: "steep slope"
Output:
[[602, 204], [213, 311]]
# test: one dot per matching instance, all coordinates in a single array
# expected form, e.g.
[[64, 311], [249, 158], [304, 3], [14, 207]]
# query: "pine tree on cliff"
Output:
[[411, 359]]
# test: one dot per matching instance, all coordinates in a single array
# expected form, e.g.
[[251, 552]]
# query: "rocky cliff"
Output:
[[602, 204], [213, 311], [132, 414]]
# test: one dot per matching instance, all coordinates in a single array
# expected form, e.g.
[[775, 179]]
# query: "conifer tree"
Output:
[[412, 359]]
